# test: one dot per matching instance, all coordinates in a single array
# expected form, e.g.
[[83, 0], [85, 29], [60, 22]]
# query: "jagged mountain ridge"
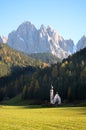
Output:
[[44, 40], [3, 39], [81, 43]]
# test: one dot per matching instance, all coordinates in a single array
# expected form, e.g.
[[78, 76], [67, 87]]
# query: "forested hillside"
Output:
[[46, 57], [68, 78], [11, 60]]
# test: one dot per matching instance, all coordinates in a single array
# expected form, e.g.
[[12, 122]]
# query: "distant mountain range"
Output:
[[30, 40], [27, 38]]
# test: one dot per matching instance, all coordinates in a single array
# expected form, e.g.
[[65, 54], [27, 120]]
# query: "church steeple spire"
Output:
[[56, 98], [51, 94]]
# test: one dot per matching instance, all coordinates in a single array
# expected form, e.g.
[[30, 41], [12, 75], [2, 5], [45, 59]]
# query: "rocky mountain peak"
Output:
[[81, 43], [44, 40], [42, 31], [1, 40], [26, 27], [43, 27], [69, 46]]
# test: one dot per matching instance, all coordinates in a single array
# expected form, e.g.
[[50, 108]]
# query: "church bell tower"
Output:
[[51, 95]]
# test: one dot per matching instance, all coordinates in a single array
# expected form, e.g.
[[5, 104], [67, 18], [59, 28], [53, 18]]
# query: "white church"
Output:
[[54, 99]]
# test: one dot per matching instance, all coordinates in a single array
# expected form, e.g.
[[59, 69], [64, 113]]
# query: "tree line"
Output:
[[67, 77]]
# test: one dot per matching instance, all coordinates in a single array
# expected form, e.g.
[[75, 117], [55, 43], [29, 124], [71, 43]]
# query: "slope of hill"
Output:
[[46, 57], [11, 60], [68, 78]]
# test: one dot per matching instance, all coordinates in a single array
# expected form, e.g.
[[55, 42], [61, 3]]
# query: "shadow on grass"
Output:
[[30, 105], [35, 104]]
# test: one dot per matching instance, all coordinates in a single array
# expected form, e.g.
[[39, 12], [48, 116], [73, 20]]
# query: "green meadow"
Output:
[[37, 118]]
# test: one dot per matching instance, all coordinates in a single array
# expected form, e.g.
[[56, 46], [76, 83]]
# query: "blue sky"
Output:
[[68, 17]]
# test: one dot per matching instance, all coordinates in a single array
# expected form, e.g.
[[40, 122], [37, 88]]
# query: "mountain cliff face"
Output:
[[81, 43], [4, 39], [27, 38], [69, 47], [1, 40], [44, 40]]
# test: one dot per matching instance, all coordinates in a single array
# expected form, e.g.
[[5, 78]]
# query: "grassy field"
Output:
[[35, 118]]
